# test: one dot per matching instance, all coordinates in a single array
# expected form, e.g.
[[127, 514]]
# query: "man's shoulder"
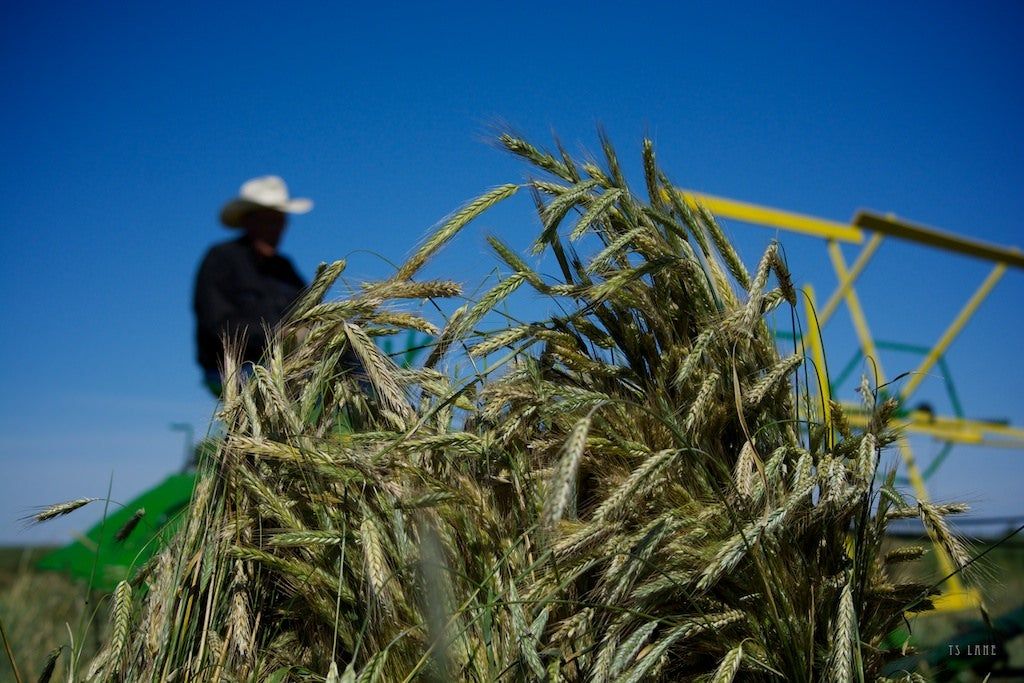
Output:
[[228, 250]]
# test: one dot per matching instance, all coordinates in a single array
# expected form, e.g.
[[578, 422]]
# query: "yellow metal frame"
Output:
[[813, 338], [952, 429], [777, 218], [876, 228]]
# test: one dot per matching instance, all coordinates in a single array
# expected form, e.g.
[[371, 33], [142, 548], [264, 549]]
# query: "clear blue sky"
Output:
[[125, 128]]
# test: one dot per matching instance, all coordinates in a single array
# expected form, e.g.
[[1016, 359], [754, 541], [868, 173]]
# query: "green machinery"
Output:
[[99, 557]]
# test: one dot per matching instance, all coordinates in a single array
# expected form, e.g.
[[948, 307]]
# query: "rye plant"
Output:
[[633, 486]]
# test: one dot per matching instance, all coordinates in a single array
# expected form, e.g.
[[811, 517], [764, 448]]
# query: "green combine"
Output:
[[101, 558]]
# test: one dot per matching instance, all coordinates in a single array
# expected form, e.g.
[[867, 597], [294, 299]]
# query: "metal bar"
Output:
[[812, 338], [937, 461], [953, 330], [902, 346], [962, 434], [913, 473], [953, 583], [844, 285], [890, 225], [860, 323], [983, 426], [952, 429], [955, 600], [776, 218], [954, 396], [848, 369]]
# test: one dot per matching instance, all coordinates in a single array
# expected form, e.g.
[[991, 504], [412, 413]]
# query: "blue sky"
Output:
[[124, 128]]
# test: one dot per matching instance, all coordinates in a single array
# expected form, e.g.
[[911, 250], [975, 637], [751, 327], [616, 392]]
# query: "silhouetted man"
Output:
[[244, 284]]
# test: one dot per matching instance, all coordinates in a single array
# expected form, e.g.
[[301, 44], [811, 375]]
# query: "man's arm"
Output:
[[217, 312]]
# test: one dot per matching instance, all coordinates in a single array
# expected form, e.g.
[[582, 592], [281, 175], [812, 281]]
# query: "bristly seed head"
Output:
[[125, 531], [58, 510]]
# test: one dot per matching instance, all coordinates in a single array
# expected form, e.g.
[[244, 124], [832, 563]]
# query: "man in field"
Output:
[[245, 284]]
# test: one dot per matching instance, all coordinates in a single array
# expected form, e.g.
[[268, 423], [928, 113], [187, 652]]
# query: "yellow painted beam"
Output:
[[813, 338], [987, 428], [854, 233], [953, 330], [913, 232], [967, 598], [916, 480], [860, 323], [945, 428], [844, 285], [776, 218], [953, 584]]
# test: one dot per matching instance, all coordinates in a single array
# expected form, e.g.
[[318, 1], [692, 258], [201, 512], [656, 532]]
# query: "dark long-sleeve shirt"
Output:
[[237, 292]]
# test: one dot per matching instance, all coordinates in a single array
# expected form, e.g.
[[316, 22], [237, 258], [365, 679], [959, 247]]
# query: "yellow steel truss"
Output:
[[875, 228]]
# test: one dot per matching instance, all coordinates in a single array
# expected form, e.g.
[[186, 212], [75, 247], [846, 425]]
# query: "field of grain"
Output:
[[38, 608], [636, 485]]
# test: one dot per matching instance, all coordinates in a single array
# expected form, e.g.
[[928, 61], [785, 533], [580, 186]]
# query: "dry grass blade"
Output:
[[451, 227], [563, 483], [58, 510], [619, 500], [725, 248], [377, 571], [121, 614], [844, 631], [49, 665], [705, 399], [300, 539], [935, 523], [380, 369], [729, 666], [325, 277], [536, 157], [597, 209], [733, 551], [764, 386], [125, 531], [629, 648], [513, 261]]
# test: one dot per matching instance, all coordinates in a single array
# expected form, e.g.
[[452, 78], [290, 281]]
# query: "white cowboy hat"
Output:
[[265, 192]]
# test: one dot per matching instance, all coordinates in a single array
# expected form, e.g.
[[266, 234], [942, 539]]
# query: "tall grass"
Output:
[[40, 614], [634, 489]]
